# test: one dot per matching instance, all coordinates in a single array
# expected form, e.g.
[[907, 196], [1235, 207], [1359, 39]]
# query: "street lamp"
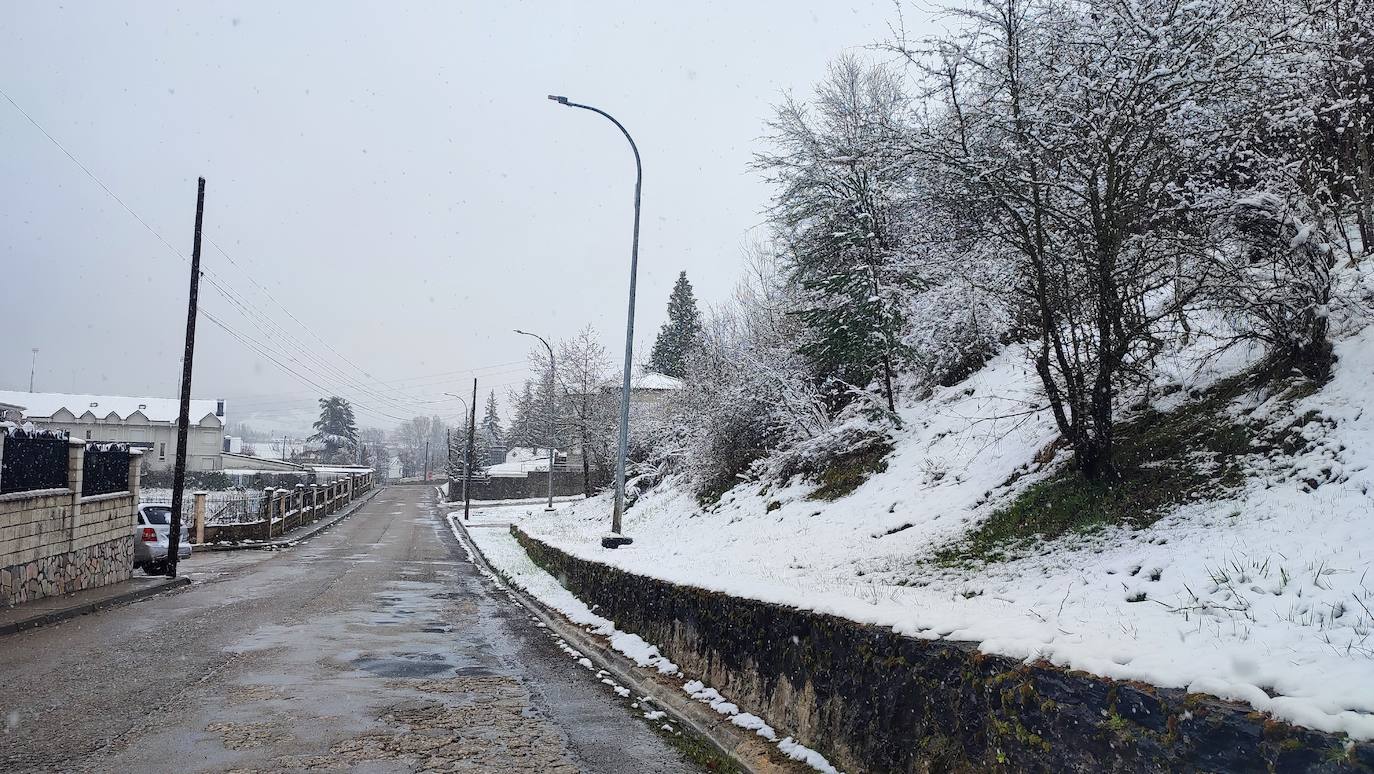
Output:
[[33, 364], [553, 380], [467, 455], [615, 539]]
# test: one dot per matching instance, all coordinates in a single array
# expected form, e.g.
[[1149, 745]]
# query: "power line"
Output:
[[251, 344], [241, 302], [258, 318]]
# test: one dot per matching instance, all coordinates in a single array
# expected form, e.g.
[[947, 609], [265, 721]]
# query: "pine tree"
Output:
[[679, 334], [491, 439], [336, 429], [522, 430], [840, 168]]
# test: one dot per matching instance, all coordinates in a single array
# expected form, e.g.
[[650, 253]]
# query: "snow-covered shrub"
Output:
[[839, 459], [748, 390], [1274, 281], [954, 328]]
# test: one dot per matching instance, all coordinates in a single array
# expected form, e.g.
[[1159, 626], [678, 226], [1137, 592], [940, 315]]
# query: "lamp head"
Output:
[[558, 99]]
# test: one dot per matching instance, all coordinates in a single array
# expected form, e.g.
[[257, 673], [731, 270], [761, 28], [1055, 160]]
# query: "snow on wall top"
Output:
[[45, 404]]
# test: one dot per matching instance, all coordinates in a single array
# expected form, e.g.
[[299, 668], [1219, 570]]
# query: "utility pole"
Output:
[[472, 435], [467, 457], [183, 419], [33, 364], [426, 460], [552, 384]]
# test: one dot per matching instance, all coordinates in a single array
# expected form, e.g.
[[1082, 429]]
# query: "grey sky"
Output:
[[392, 175]]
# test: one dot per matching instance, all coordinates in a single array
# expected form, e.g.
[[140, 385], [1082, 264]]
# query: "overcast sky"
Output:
[[390, 175]]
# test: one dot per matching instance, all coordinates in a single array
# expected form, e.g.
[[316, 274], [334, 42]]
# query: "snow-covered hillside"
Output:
[[1261, 595]]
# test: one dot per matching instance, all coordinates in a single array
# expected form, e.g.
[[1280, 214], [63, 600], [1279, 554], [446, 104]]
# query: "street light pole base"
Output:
[[615, 541]]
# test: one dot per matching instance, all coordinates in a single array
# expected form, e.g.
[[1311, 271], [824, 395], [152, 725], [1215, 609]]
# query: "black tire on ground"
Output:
[[154, 568]]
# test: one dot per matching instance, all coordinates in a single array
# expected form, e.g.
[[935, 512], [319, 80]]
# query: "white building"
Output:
[[147, 423]]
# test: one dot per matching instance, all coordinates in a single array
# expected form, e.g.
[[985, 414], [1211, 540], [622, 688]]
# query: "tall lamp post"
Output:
[[615, 539], [33, 365], [467, 456], [553, 381]]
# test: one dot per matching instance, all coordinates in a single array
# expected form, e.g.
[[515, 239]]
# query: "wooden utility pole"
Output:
[[426, 460], [184, 418], [472, 435]]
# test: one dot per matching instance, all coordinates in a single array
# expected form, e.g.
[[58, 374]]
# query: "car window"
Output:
[[159, 515]]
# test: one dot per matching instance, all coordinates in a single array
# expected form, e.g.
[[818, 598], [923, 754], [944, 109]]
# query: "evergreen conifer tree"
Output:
[[679, 334]]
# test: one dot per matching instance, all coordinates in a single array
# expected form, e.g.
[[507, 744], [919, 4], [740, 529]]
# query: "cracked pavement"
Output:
[[373, 647]]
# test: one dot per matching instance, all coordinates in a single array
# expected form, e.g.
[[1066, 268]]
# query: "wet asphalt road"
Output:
[[374, 647]]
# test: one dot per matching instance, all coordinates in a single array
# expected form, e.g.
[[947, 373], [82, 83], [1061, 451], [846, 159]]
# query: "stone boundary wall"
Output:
[[533, 484], [54, 541], [874, 701]]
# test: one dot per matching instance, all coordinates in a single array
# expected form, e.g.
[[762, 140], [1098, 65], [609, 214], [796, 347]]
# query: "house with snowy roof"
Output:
[[146, 423], [10, 412]]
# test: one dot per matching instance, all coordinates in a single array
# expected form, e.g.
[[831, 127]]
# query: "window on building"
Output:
[[162, 451], [88, 435]]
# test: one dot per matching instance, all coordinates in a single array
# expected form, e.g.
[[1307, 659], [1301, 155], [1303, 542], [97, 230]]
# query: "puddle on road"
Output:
[[405, 665], [414, 664]]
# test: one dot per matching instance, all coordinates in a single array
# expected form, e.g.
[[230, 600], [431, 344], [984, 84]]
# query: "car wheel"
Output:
[[155, 568]]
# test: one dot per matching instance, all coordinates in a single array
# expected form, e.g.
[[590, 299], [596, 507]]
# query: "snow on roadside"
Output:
[[507, 556], [1262, 597]]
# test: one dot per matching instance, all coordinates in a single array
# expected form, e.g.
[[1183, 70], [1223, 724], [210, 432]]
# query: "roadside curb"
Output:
[[311, 530], [55, 616], [741, 747]]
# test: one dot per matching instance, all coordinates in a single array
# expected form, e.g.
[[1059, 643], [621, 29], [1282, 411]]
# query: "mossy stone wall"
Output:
[[874, 701]]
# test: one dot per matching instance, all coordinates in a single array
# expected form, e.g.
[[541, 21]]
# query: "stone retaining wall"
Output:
[[872, 700]]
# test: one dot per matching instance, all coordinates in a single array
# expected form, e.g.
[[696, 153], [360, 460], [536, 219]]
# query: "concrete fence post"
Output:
[[314, 501], [271, 508], [76, 468], [199, 510], [135, 473], [300, 504]]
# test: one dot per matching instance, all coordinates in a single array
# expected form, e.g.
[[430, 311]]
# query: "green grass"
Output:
[[1195, 452], [844, 474]]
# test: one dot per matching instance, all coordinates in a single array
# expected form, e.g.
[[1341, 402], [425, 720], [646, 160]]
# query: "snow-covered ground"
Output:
[[1264, 596]]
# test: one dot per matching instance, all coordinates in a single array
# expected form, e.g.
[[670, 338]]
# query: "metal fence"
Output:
[[33, 461], [243, 508], [227, 507], [105, 469]]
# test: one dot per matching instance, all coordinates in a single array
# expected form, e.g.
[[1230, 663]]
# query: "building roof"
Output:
[[653, 380], [643, 379], [45, 404]]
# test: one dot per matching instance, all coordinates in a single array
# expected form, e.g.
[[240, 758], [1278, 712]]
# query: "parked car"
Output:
[[151, 534]]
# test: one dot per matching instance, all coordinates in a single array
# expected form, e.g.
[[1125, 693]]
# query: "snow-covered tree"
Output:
[[588, 409], [679, 334], [840, 167], [523, 430], [421, 442], [491, 439], [748, 390], [336, 430], [1075, 131]]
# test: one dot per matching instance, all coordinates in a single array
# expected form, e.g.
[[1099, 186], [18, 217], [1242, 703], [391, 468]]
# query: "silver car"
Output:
[[151, 534]]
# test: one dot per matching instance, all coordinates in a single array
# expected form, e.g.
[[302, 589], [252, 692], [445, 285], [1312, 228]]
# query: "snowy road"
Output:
[[373, 647]]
